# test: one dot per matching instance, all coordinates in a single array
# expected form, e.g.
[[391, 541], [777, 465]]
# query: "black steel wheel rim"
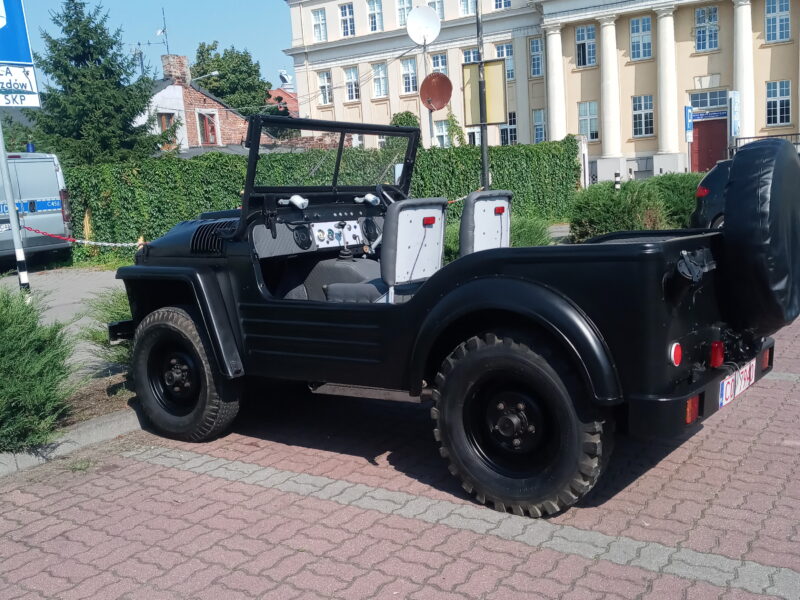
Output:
[[510, 427], [173, 373]]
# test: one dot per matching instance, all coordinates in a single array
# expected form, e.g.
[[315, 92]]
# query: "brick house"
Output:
[[204, 121], [284, 98]]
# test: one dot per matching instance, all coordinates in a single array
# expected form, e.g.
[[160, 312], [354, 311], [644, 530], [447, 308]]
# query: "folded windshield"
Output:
[[297, 155]]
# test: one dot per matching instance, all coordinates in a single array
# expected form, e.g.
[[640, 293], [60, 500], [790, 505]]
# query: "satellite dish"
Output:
[[435, 91], [423, 25]]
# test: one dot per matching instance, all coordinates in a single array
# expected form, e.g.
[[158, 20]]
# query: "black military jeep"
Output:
[[333, 275]]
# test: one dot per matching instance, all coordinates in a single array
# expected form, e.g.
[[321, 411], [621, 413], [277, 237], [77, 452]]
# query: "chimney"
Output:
[[177, 68]]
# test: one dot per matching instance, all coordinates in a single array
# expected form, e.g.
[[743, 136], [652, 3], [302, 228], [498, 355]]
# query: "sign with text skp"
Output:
[[17, 77]]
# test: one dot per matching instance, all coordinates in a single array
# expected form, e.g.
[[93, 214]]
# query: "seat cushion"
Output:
[[366, 291]]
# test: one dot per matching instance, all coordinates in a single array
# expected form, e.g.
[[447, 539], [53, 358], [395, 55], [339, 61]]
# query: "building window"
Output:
[[474, 136], [348, 20], [778, 27], [588, 123], [440, 132], [357, 140], [643, 116], [468, 7], [325, 91], [706, 29], [779, 103], [320, 27], [508, 132], [713, 99], [165, 121], [471, 55], [207, 123], [501, 4], [409, 75], [537, 57], [380, 82], [375, 15], [586, 48], [438, 6], [507, 51], [439, 63], [351, 84], [539, 126], [403, 8], [381, 141], [641, 38]]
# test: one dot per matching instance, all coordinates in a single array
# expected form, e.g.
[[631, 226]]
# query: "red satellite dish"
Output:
[[435, 91]]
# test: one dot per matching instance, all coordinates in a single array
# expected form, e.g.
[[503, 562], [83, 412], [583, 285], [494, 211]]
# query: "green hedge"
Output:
[[122, 202], [676, 191], [525, 231]]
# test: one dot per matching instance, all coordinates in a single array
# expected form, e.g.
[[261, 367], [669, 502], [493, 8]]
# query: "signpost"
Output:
[[17, 89], [688, 128]]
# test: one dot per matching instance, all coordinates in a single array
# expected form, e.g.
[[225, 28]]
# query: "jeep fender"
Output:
[[208, 300], [535, 304]]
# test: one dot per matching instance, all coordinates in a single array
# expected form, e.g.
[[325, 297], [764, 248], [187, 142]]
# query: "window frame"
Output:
[[780, 100], [777, 16], [322, 24], [438, 6], [645, 115], [508, 131], [537, 57], [589, 55], [467, 8], [404, 7], [442, 66], [539, 127], [473, 52], [590, 119], [212, 115], [325, 89], [352, 87], [375, 15], [707, 93], [643, 38], [410, 81], [384, 77], [445, 141], [709, 28], [507, 54], [347, 22], [502, 4]]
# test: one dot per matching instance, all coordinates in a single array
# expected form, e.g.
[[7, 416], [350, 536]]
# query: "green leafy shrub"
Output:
[[33, 373], [451, 237], [529, 231], [104, 308], [599, 209], [676, 191]]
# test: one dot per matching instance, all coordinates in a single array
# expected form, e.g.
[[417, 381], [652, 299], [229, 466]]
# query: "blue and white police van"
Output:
[[42, 203]]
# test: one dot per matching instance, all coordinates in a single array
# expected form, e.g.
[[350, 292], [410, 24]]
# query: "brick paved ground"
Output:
[[348, 498]]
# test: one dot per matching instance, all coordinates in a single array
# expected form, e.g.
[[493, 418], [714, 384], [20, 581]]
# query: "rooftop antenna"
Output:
[[163, 30]]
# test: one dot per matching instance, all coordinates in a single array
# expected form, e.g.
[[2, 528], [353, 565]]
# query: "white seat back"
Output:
[[485, 222]]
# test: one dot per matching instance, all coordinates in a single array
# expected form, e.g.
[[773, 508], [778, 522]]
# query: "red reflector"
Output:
[[428, 221], [499, 210], [766, 358], [717, 357], [14, 156], [702, 192], [64, 195], [692, 409], [675, 354]]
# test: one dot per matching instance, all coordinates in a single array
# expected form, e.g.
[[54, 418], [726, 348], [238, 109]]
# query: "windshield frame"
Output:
[[255, 130]]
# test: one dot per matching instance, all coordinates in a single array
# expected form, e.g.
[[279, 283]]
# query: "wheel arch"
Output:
[[513, 303], [189, 287]]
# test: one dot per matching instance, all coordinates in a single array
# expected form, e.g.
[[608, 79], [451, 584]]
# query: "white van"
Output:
[[42, 203]]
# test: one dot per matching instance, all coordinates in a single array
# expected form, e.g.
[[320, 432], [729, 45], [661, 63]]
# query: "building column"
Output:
[[609, 89], [556, 95], [669, 157], [523, 104], [743, 73]]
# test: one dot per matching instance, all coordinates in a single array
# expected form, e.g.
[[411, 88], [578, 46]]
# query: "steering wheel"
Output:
[[381, 190]]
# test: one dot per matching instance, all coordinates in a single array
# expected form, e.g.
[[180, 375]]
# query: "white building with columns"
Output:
[[618, 73]]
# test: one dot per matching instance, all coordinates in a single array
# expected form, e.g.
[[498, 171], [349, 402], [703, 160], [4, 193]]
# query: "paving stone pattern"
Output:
[[328, 497]]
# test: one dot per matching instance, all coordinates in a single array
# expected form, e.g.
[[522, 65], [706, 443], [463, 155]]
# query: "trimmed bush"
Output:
[[599, 209], [34, 373], [525, 231], [107, 307], [676, 191], [122, 202]]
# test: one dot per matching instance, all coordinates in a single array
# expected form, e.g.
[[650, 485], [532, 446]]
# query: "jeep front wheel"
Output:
[[181, 391], [515, 428]]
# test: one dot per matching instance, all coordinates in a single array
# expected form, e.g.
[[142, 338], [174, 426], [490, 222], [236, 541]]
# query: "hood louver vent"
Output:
[[206, 238]]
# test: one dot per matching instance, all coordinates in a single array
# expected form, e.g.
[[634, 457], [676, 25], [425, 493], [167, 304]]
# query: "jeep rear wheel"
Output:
[[515, 427], [182, 393]]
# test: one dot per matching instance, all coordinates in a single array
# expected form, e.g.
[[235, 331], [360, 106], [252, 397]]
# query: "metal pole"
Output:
[[482, 102], [8, 194], [164, 20], [430, 112]]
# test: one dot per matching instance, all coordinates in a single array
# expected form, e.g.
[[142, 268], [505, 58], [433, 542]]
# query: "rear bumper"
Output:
[[653, 416]]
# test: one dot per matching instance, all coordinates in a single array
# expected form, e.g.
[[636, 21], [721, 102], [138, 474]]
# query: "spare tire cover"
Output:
[[762, 236]]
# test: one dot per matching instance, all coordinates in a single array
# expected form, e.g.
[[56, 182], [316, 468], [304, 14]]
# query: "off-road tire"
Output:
[[201, 417], [584, 436]]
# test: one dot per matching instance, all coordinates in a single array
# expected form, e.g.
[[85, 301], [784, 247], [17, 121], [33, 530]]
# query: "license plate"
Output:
[[733, 385]]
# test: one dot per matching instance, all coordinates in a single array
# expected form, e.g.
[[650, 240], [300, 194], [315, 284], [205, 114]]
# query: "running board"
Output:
[[360, 391]]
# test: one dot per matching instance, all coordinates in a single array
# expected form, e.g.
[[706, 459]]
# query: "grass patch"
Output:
[[33, 373]]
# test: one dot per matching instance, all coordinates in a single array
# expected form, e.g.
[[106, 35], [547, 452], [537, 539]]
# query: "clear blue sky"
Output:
[[261, 26]]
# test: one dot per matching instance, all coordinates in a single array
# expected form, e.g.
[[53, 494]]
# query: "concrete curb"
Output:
[[93, 431]]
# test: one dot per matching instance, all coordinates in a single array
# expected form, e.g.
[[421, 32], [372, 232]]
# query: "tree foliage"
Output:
[[88, 114], [405, 119], [239, 83]]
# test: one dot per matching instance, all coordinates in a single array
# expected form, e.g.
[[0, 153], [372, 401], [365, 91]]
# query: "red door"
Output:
[[710, 143]]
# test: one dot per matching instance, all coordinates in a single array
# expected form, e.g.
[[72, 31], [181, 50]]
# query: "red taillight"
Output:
[[717, 357], [499, 210], [14, 156], [766, 359], [702, 191], [65, 212], [692, 409], [426, 221], [675, 354]]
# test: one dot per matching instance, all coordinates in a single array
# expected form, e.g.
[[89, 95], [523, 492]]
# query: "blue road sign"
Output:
[[14, 45]]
